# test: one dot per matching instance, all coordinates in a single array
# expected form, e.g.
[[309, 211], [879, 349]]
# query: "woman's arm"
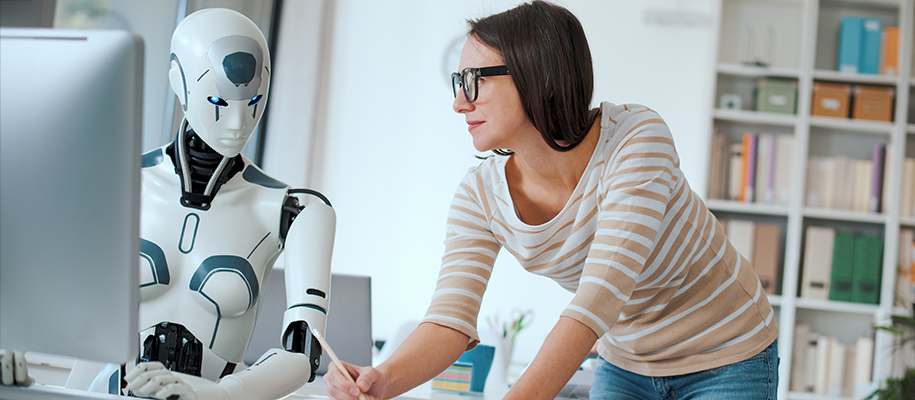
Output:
[[428, 351], [565, 348]]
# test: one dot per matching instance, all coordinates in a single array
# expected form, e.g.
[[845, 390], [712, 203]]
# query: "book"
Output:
[[907, 204], [871, 39], [845, 173], [784, 169], [798, 357], [864, 361], [742, 235], [817, 262], [905, 276], [835, 382], [878, 152], [823, 351], [766, 146], [851, 36], [766, 256], [715, 172], [840, 278], [810, 362], [814, 182], [866, 269], [735, 166], [889, 61], [861, 185]]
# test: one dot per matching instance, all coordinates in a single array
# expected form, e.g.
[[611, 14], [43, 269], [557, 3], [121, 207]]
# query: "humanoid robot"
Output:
[[212, 225]]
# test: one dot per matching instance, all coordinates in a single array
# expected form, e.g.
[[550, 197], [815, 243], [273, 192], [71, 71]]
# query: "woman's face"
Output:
[[496, 119]]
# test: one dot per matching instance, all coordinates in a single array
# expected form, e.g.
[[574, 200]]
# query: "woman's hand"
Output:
[[369, 381]]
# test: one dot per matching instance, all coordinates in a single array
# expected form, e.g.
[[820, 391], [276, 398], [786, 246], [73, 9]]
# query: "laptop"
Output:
[[349, 320]]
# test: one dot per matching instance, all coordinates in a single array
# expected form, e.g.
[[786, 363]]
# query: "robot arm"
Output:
[[309, 246]]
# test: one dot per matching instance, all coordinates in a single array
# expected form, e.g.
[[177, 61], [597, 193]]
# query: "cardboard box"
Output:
[[873, 103], [776, 95], [831, 99]]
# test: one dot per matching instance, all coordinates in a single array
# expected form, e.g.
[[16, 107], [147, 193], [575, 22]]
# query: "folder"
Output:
[[851, 34], [866, 269], [843, 252], [817, 262], [870, 46]]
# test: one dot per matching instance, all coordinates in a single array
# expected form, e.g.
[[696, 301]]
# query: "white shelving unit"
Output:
[[798, 40]]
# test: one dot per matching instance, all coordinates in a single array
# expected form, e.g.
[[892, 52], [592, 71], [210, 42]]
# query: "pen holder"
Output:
[[481, 357]]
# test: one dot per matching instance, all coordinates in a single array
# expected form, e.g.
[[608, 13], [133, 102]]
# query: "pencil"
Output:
[[333, 356]]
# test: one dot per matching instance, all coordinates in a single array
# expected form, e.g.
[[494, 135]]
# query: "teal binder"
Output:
[[851, 34], [870, 46], [868, 260], [843, 254]]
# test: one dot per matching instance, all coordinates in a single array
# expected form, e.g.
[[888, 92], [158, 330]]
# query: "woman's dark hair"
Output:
[[549, 60]]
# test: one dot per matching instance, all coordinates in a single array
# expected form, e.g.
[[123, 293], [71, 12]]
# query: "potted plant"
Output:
[[895, 388]]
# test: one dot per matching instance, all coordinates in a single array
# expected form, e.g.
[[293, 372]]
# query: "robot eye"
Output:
[[255, 100], [217, 101]]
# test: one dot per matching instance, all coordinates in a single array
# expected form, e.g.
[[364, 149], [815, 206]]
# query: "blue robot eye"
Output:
[[255, 100], [217, 101]]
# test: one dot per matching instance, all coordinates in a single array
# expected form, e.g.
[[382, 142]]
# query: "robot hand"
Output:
[[14, 371], [151, 379]]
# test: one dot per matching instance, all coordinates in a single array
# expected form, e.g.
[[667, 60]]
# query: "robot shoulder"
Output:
[[254, 175]]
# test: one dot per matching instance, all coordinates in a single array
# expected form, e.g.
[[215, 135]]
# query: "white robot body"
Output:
[[214, 263]]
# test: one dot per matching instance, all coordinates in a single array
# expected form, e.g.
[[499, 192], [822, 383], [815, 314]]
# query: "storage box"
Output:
[[873, 103], [776, 95], [830, 99]]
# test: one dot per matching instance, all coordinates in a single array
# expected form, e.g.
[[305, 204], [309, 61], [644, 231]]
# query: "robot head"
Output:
[[220, 71]]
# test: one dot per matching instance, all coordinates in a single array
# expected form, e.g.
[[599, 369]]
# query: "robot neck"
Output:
[[202, 170]]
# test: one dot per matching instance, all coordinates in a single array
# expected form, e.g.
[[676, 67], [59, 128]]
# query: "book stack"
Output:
[[759, 243], [843, 183], [867, 47], [824, 365], [454, 379], [756, 169], [841, 265]]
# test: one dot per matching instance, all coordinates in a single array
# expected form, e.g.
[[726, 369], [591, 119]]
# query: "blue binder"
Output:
[[870, 46], [851, 38]]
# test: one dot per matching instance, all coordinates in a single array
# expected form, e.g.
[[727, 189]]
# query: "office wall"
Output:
[[394, 151]]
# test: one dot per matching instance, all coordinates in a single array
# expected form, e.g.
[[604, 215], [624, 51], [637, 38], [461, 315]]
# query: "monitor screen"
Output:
[[70, 134]]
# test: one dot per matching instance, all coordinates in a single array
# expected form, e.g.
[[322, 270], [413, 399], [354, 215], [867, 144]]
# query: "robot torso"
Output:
[[206, 269]]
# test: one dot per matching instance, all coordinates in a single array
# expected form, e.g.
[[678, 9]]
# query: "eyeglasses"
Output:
[[469, 80]]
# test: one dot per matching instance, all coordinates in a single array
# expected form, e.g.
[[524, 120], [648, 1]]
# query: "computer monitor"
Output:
[[349, 319], [70, 130]]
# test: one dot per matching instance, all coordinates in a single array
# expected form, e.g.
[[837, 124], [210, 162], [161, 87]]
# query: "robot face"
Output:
[[227, 93]]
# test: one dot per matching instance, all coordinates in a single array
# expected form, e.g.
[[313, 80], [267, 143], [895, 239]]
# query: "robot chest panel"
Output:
[[216, 257]]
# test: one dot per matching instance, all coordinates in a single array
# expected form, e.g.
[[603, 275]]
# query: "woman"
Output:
[[595, 200]]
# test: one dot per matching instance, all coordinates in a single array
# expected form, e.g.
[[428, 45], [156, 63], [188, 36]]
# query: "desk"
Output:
[[314, 390], [317, 390]]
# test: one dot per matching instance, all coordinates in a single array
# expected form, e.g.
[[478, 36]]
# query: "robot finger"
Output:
[[150, 381], [176, 387], [142, 368]]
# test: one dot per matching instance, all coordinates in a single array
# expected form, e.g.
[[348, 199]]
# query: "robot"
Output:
[[212, 224]]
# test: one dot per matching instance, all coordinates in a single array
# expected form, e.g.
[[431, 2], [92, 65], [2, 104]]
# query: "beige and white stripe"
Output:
[[652, 271]]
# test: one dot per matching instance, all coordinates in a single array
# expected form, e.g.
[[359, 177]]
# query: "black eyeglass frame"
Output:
[[461, 79]]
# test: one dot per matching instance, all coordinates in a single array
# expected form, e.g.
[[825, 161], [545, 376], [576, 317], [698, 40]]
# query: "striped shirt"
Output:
[[653, 273]]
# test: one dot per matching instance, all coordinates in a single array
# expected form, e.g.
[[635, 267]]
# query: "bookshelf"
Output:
[[798, 42]]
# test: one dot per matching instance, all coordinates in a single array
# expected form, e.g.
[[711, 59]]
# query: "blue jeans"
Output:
[[750, 379]]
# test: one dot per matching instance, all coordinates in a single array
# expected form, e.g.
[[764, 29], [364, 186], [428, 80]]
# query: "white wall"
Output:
[[394, 151]]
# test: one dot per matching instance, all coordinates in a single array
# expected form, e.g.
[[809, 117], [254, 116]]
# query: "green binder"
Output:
[[843, 254], [866, 270]]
